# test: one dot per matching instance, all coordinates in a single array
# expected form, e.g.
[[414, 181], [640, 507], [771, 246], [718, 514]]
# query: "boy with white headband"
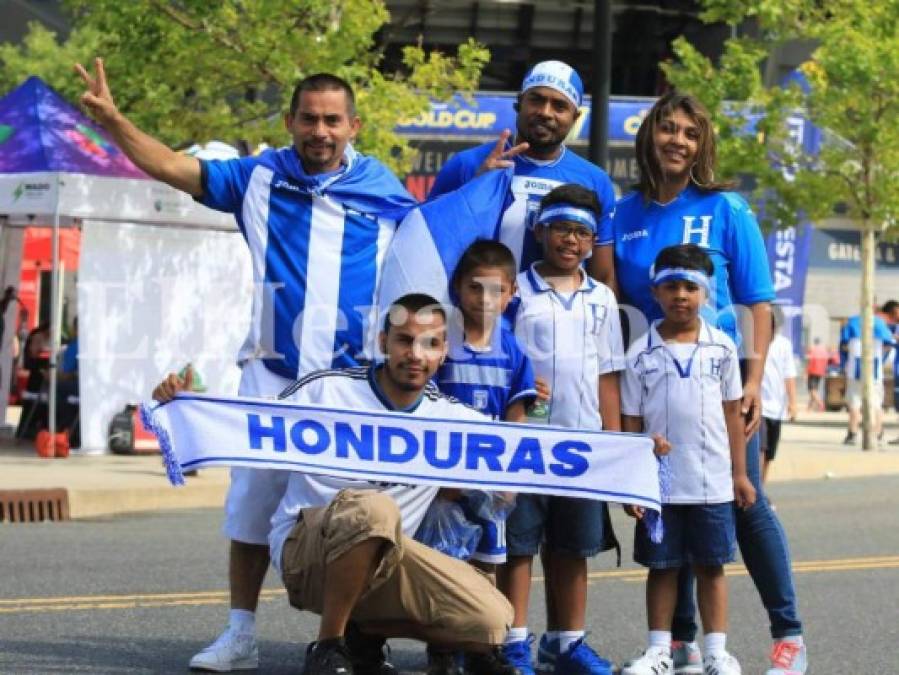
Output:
[[683, 381], [568, 326]]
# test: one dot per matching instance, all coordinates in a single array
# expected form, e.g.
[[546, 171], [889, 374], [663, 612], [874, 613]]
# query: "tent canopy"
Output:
[[139, 288], [55, 160], [40, 131]]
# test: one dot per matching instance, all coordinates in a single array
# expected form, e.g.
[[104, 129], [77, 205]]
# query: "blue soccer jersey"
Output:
[[490, 379], [851, 343], [316, 244], [532, 180], [720, 222]]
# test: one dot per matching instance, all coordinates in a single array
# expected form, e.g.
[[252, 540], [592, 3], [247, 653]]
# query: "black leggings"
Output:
[[770, 437]]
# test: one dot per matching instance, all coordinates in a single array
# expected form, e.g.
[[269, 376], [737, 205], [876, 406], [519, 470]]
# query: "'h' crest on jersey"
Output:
[[698, 230]]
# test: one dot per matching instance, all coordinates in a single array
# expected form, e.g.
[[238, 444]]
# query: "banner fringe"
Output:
[[172, 467]]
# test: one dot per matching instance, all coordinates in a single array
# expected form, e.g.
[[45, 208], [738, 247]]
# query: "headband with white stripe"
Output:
[[555, 75], [568, 213], [680, 273]]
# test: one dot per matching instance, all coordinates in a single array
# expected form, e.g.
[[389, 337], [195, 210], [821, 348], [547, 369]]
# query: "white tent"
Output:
[[162, 280]]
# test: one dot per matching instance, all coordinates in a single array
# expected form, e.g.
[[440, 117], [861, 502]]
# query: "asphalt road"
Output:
[[140, 594]]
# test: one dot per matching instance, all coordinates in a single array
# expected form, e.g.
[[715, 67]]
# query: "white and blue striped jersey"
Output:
[[532, 179], [490, 379], [571, 339], [851, 344], [679, 390], [317, 244]]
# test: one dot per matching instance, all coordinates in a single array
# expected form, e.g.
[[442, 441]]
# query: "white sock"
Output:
[[517, 634], [714, 643], [660, 638], [568, 638], [242, 621]]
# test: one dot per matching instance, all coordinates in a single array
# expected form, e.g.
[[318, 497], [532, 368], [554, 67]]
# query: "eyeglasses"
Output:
[[564, 231]]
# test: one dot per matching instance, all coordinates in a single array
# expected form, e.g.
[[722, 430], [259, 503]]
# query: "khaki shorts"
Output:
[[413, 584], [854, 394]]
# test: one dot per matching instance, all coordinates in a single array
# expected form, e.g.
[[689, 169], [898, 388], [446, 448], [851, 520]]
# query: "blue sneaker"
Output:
[[518, 654], [547, 653], [580, 659]]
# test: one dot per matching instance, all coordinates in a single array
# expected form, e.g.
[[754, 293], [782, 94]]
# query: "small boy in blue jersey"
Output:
[[683, 382], [485, 366], [486, 369], [568, 325]]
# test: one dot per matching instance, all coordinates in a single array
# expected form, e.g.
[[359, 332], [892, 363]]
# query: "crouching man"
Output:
[[344, 548]]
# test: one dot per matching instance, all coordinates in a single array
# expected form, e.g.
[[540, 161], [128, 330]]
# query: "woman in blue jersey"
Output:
[[676, 201]]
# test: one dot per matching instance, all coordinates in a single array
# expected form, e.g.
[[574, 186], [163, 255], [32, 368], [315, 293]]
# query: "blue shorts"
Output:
[[576, 527], [695, 534], [491, 547]]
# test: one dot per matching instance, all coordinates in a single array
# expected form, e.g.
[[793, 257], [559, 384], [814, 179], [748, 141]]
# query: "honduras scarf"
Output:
[[362, 183], [432, 237], [196, 431]]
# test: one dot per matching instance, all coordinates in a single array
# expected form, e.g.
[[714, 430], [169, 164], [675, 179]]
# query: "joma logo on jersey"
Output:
[[636, 234], [539, 185], [697, 233], [284, 185]]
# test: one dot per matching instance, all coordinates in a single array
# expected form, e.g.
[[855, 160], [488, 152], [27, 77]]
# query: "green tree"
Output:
[[852, 95], [193, 70]]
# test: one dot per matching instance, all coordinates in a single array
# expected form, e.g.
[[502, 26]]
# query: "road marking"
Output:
[[201, 598]]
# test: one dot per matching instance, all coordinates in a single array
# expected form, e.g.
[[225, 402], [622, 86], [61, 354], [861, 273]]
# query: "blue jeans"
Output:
[[766, 554]]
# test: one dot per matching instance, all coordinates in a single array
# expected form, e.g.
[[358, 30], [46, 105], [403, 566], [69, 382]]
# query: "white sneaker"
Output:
[[687, 658], [231, 651], [655, 661], [720, 664]]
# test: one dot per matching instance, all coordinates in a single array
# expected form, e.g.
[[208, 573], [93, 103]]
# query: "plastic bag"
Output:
[[489, 506], [446, 529]]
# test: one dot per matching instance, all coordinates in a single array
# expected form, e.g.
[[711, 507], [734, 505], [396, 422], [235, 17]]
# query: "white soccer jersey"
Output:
[[678, 389], [571, 339], [355, 389], [779, 366]]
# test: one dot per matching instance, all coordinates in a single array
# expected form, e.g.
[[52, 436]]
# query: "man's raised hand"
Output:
[[500, 157], [165, 391], [97, 99]]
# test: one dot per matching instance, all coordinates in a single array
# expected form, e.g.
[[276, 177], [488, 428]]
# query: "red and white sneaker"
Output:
[[787, 658]]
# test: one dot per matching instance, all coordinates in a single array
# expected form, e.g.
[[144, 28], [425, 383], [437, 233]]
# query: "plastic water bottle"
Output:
[[538, 413]]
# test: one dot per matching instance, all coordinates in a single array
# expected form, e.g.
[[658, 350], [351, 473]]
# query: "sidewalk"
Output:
[[102, 485]]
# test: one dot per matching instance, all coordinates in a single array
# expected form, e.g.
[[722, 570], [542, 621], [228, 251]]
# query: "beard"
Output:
[[546, 142]]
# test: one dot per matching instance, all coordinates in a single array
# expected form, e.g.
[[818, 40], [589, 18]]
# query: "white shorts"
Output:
[[854, 394], [254, 494]]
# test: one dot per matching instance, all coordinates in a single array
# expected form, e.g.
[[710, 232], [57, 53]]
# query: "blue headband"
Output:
[[556, 75], [680, 273], [568, 213]]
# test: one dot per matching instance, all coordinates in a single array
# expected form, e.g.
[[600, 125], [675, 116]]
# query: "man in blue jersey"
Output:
[[548, 107], [315, 218], [851, 360]]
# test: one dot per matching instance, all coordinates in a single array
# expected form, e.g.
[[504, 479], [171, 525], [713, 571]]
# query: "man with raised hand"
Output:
[[548, 107], [317, 218], [344, 547]]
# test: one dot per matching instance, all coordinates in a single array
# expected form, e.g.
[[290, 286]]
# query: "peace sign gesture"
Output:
[[97, 99], [500, 157]]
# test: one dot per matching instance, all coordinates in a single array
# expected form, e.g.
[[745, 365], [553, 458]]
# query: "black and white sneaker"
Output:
[[489, 663], [368, 653], [328, 657]]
